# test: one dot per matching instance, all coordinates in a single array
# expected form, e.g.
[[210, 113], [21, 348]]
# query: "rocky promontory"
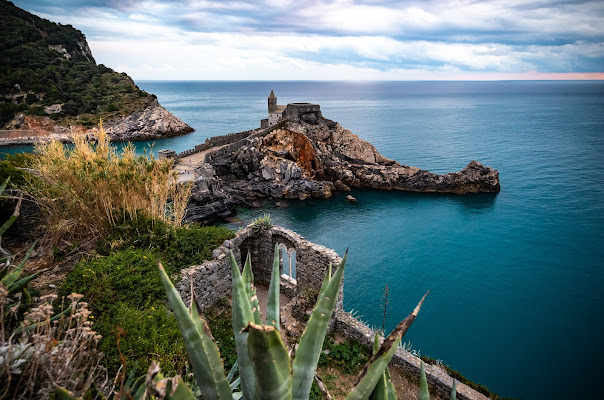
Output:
[[51, 86], [150, 122], [298, 160]]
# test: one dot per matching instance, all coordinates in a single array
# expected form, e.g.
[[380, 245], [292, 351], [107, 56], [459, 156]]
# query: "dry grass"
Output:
[[84, 188], [60, 353]]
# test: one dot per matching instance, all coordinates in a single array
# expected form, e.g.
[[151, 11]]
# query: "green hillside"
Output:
[[44, 63]]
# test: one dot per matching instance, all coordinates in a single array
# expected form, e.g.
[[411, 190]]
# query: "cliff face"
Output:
[[152, 122], [301, 160], [51, 85]]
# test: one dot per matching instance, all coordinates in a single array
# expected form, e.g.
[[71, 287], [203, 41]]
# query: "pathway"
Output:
[[185, 166]]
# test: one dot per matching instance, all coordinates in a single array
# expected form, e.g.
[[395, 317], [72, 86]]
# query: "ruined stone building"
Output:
[[307, 112]]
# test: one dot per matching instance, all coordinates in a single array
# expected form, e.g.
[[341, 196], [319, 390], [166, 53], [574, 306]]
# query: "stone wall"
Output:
[[439, 381], [211, 281], [230, 139], [301, 111]]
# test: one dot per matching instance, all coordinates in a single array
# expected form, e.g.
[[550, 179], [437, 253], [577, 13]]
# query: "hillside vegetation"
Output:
[[44, 63]]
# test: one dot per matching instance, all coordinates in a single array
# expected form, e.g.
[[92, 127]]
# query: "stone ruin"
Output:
[[303, 266]]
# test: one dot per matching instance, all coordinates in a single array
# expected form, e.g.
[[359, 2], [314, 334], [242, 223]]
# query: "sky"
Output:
[[339, 39]]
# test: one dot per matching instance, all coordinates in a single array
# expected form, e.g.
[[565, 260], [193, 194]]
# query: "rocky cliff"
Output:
[[302, 160], [50, 85], [150, 122]]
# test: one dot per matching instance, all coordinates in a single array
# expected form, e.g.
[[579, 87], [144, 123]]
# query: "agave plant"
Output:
[[265, 368]]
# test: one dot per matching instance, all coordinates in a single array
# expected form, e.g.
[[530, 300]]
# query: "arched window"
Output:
[[287, 261]]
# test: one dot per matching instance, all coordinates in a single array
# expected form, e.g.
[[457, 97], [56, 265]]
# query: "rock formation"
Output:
[[303, 159], [150, 122]]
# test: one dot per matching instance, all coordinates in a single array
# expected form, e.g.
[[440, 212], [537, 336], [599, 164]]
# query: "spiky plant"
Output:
[[262, 223], [265, 367]]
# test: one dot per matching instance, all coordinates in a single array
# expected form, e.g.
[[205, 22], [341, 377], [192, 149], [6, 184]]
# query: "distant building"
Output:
[[307, 112]]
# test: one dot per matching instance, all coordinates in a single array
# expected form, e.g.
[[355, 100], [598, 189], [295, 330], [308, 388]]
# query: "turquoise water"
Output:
[[516, 278]]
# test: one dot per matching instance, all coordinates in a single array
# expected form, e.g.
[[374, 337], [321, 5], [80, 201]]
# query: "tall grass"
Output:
[[85, 188]]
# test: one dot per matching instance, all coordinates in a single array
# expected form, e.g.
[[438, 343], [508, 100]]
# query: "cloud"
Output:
[[338, 39]]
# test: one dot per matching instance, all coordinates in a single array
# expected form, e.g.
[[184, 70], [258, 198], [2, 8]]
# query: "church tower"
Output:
[[272, 102]]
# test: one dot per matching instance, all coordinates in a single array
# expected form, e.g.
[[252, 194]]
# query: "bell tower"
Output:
[[272, 102]]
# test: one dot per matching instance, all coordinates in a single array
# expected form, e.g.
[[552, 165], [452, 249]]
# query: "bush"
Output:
[[127, 299], [85, 189], [180, 247], [125, 293], [349, 356]]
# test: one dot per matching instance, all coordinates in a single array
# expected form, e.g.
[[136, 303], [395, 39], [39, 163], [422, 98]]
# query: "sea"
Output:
[[516, 279]]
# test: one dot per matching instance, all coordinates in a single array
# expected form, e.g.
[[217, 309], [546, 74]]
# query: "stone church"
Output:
[[307, 112]]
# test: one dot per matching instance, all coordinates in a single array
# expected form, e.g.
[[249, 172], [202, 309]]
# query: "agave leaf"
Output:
[[424, 394], [64, 394], [271, 363], [272, 308], [380, 391], [235, 384], [138, 390], [14, 274], [11, 220], [232, 371], [20, 284], [390, 390], [374, 369], [203, 352], [248, 280], [242, 316], [130, 379], [454, 390], [180, 390], [3, 184], [311, 342], [325, 281]]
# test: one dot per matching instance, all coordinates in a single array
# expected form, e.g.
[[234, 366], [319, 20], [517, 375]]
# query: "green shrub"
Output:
[[126, 295], [349, 356], [181, 247], [124, 290]]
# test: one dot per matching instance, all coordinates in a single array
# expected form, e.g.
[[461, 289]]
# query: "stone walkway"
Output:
[[185, 167]]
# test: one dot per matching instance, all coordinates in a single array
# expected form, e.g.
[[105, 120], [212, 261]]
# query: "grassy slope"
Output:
[[86, 90]]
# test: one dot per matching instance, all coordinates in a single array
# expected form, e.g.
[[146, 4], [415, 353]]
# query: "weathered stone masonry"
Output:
[[212, 281]]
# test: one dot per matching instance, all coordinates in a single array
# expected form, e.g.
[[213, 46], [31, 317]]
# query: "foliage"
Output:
[[262, 223], [14, 166], [84, 189], [265, 368], [46, 76], [180, 247], [127, 301], [124, 288], [349, 356]]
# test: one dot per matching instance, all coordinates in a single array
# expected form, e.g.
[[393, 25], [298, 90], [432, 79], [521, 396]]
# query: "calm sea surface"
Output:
[[516, 278]]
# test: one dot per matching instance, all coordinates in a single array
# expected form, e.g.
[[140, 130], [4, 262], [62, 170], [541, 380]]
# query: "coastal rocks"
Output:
[[208, 199], [299, 160], [351, 199], [152, 122], [303, 160]]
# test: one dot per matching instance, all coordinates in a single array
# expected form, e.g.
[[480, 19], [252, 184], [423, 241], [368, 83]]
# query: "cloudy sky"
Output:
[[339, 39]]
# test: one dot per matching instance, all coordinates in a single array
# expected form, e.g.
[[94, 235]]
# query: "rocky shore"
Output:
[[314, 159], [150, 122]]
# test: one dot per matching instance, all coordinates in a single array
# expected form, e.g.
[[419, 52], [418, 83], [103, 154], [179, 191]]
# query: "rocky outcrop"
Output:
[[303, 160], [150, 122], [208, 199]]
